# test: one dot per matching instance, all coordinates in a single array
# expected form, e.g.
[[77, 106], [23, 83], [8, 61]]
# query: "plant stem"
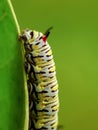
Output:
[[17, 25]]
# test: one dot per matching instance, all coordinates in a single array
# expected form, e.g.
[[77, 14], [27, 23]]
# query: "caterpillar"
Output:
[[41, 80]]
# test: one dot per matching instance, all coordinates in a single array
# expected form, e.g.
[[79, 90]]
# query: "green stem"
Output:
[[14, 16]]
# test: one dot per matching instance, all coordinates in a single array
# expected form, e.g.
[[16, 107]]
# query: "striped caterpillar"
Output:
[[41, 81]]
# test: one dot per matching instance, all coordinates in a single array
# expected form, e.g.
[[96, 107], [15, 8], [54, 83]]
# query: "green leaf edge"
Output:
[[25, 84]]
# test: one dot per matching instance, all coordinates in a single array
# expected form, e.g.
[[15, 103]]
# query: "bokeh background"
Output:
[[74, 41]]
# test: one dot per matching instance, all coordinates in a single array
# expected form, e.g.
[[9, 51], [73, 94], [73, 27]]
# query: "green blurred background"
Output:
[[74, 41]]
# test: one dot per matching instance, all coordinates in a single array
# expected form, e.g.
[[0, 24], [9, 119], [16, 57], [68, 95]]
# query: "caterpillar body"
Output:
[[41, 81]]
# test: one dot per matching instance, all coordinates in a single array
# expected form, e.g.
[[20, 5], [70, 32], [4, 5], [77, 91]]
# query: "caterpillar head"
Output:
[[29, 35], [26, 35]]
